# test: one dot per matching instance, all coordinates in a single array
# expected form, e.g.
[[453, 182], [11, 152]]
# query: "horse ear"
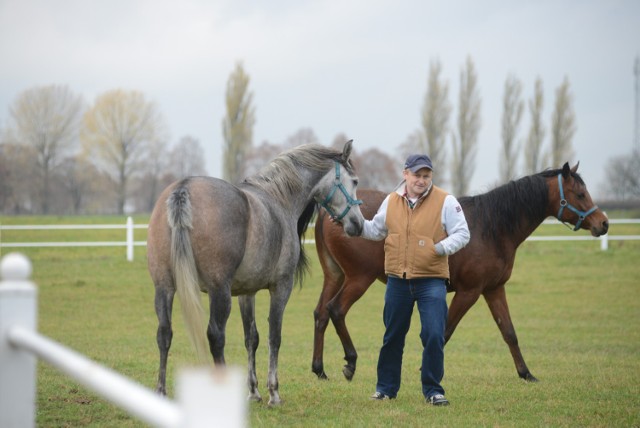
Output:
[[566, 171], [575, 168], [346, 151]]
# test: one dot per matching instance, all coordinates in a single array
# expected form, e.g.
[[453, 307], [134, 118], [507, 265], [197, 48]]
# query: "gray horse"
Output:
[[206, 235]]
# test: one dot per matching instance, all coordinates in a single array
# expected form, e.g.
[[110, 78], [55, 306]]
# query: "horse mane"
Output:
[[280, 178], [511, 206]]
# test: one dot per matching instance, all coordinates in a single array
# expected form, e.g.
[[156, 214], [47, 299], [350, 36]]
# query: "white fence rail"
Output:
[[205, 397], [129, 243]]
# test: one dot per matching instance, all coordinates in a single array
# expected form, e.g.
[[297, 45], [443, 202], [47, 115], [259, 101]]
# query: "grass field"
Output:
[[576, 310]]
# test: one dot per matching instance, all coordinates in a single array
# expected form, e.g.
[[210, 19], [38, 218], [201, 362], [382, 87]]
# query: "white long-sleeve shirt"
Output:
[[452, 217]]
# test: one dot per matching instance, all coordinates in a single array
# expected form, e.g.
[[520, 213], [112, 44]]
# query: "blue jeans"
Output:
[[399, 299]]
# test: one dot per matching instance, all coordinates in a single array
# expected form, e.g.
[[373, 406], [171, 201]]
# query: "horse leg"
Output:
[[461, 303], [251, 341], [219, 310], [279, 298], [163, 304], [497, 301], [330, 287], [338, 307]]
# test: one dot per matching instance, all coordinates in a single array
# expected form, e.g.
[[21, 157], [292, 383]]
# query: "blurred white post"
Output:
[[212, 396], [604, 239], [129, 239], [18, 306]]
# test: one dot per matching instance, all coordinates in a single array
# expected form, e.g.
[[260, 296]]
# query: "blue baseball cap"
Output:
[[414, 163]]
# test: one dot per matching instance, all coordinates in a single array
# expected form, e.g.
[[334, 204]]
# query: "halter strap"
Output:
[[337, 184], [565, 204]]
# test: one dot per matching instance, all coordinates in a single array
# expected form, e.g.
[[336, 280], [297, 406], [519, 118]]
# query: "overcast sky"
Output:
[[337, 66]]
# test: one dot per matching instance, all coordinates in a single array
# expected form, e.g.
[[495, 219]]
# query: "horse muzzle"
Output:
[[353, 227], [600, 228]]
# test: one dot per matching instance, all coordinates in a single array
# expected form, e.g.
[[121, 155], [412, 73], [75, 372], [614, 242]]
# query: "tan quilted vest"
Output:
[[412, 234]]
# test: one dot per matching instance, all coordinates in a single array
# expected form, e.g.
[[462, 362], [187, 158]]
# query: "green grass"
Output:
[[576, 310]]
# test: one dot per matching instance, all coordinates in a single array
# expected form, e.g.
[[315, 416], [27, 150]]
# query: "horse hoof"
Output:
[[348, 372], [319, 371], [528, 377], [274, 402], [255, 397]]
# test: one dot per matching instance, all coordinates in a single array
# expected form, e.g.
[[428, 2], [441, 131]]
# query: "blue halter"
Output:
[[337, 184], [563, 203]]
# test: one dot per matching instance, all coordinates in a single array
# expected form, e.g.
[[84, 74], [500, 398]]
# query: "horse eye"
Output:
[[581, 196], [355, 181]]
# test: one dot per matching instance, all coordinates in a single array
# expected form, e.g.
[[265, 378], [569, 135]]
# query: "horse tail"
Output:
[[302, 268], [179, 217]]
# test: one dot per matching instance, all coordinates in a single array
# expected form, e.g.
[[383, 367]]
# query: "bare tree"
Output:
[[22, 192], [623, 177], [149, 178], [237, 125], [117, 134], [187, 158], [77, 178], [47, 119], [464, 145], [163, 167], [512, 107], [302, 136], [533, 147], [5, 179], [414, 143], [563, 126], [258, 156], [435, 118], [377, 170]]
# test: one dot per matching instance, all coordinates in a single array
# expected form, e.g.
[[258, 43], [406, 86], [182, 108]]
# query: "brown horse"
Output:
[[499, 221]]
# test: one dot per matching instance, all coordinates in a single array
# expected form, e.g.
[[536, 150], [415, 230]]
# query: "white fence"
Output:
[[205, 396], [129, 243]]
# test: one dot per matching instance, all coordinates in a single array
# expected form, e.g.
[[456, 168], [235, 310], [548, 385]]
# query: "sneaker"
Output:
[[437, 400], [380, 396]]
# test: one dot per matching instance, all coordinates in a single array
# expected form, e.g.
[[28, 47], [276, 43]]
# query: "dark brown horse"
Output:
[[499, 221]]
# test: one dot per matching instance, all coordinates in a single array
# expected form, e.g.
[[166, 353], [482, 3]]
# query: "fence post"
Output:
[[129, 239], [18, 304]]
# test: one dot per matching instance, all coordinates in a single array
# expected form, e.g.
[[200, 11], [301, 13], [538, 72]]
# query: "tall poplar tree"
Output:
[[464, 144], [512, 108], [435, 118], [237, 125], [563, 126], [533, 147]]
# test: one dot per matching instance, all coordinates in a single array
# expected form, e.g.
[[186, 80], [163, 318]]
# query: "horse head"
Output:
[[336, 193], [575, 205]]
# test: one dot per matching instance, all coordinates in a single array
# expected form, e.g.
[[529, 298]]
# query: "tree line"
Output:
[[451, 144], [60, 156]]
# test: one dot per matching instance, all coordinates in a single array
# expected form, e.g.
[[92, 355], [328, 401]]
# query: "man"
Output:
[[422, 225]]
